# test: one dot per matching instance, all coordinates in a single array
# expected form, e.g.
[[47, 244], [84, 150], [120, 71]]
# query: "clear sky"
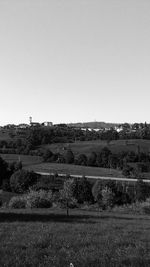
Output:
[[74, 60]]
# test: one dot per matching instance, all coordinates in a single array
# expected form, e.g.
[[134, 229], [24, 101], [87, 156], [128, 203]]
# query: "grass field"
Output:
[[26, 159], [86, 147], [74, 169], [40, 238]]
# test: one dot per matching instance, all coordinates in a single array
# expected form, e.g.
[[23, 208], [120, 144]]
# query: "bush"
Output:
[[82, 190], [17, 202], [142, 190], [127, 171], [21, 180], [107, 198], [39, 199], [97, 191], [6, 185]]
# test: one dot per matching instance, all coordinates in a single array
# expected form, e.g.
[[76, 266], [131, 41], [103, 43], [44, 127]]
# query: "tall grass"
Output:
[[87, 239]]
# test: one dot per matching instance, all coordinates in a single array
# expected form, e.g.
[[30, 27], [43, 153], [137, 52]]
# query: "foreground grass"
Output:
[[49, 238]]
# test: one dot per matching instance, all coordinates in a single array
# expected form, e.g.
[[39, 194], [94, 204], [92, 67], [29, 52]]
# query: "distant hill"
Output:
[[93, 124]]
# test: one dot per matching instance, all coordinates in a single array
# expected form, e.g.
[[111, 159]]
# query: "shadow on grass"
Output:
[[37, 217], [13, 216]]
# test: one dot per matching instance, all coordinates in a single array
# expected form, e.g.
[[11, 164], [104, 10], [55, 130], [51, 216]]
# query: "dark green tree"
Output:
[[66, 194], [82, 190], [81, 160], [69, 156], [4, 173], [92, 159], [21, 180], [47, 155]]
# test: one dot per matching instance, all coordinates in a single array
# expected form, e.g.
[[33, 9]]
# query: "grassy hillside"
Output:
[[86, 239], [74, 169], [26, 159], [87, 147]]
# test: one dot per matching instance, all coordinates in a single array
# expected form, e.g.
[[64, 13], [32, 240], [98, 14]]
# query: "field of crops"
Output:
[[49, 238]]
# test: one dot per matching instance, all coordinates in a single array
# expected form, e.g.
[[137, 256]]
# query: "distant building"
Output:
[[35, 124], [23, 126], [118, 128], [47, 123]]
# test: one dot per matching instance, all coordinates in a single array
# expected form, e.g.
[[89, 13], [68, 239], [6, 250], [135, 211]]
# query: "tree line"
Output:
[[72, 192], [130, 162], [37, 136]]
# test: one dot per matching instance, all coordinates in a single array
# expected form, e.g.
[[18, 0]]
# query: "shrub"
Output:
[[21, 180], [6, 185], [107, 198], [146, 209], [97, 190], [142, 190], [39, 199], [127, 171], [82, 190], [17, 202]]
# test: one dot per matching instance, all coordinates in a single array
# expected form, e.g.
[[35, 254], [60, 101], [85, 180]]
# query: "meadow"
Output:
[[25, 159], [86, 147], [116, 146], [74, 169], [30, 238]]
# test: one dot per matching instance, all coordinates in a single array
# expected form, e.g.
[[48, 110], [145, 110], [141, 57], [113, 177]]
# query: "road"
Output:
[[95, 177]]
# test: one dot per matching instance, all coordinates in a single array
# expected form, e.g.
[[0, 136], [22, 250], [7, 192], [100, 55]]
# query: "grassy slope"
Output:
[[74, 169], [33, 162], [26, 159], [87, 239], [115, 146]]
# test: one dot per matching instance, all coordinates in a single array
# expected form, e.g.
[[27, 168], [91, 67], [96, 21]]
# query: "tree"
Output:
[[107, 198], [113, 161], [142, 190], [103, 158], [127, 171], [66, 194], [47, 155], [97, 191], [92, 159], [3, 170], [81, 160], [82, 190], [69, 156], [21, 180]]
